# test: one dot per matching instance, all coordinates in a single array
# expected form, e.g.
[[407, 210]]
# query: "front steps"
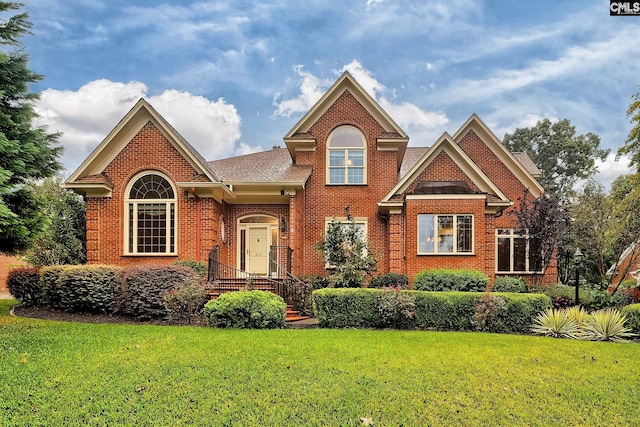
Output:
[[291, 314]]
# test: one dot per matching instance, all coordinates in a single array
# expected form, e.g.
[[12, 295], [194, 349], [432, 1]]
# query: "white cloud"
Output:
[[410, 117], [611, 168], [87, 115]]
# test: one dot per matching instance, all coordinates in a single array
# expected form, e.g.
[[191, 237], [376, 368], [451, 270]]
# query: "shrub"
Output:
[[628, 284], [86, 288], [24, 285], [298, 294], [50, 283], [140, 290], [632, 314], [318, 282], [563, 296], [556, 323], [197, 266], [246, 309], [390, 280], [450, 280], [486, 315], [605, 325], [510, 284], [185, 305], [396, 309], [457, 311]]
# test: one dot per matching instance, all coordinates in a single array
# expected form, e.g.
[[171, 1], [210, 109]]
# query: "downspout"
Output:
[[198, 224]]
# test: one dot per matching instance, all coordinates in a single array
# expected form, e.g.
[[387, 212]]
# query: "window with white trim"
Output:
[[445, 234], [346, 156], [517, 253], [150, 216]]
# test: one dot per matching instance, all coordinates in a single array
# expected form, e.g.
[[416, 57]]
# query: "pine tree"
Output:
[[27, 153]]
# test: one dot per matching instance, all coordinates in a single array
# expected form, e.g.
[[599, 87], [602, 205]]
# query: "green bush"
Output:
[[198, 266], [510, 284], [50, 283], [140, 290], [87, 288], [632, 313], [450, 280], [390, 280], [563, 296], [628, 284], [450, 311], [24, 285], [246, 309], [185, 305], [298, 294]]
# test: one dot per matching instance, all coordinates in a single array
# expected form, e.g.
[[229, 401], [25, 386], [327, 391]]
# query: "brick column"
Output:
[[396, 242]]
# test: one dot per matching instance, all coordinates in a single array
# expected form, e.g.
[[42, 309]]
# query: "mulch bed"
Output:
[[47, 313]]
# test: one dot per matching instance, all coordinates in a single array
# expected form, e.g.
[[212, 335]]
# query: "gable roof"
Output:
[[392, 138], [264, 167], [469, 167], [509, 159], [141, 113]]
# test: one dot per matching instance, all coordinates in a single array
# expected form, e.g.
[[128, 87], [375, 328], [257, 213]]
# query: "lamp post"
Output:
[[577, 260]]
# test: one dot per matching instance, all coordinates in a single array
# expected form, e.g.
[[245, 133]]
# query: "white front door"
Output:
[[258, 250]]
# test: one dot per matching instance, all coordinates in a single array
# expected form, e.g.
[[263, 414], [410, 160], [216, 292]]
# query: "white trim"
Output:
[[247, 226], [136, 202], [446, 196], [454, 236], [512, 236], [345, 151]]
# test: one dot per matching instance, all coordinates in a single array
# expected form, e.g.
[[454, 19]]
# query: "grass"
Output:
[[58, 373]]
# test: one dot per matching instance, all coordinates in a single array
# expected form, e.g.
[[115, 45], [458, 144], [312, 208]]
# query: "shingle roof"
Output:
[[95, 179], [268, 166], [411, 157], [528, 163]]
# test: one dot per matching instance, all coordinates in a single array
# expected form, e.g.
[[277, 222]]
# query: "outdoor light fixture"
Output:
[[283, 225], [577, 260]]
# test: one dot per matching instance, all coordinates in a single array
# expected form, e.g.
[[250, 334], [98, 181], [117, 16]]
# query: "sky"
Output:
[[233, 77]]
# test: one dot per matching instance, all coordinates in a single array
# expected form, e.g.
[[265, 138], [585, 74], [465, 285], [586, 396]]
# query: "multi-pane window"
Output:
[[445, 234], [346, 156], [151, 216], [517, 253]]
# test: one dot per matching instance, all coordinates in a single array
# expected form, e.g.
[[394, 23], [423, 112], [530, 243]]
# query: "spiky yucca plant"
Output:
[[577, 313], [555, 323], [605, 325]]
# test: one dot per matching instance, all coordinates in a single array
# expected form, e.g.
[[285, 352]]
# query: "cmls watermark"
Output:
[[622, 8]]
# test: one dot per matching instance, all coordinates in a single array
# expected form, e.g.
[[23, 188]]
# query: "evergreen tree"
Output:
[[27, 153]]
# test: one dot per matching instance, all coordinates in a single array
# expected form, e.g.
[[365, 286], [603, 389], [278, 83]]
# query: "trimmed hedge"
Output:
[[140, 290], [198, 266], [632, 314], [87, 288], [50, 283], [510, 284], [390, 280], [450, 280], [24, 285], [446, 311], [246, 309]]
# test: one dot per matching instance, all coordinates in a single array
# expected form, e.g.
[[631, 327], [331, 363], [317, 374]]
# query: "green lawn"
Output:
[[57, 373]]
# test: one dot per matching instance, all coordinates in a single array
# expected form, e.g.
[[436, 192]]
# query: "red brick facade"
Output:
[[204, 218]]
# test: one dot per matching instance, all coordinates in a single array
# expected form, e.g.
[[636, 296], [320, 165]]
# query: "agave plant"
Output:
[[555, 323], [605, 325]]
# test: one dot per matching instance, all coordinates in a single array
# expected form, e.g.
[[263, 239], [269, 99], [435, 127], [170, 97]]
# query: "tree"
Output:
[[591, 216], [346, 251], [62, 241], [545, 221], [632, 145], [562, 157], [27, 153]]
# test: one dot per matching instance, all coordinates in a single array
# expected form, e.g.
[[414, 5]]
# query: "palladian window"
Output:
[[151, 216], [346, 156]]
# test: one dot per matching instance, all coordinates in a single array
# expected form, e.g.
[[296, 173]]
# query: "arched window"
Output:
[[346, 157], [151, 216]]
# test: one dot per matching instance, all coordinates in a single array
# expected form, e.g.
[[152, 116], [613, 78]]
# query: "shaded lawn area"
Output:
[[60, 373]]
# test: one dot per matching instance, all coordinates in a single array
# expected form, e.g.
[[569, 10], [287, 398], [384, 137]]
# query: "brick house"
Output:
[[151, 198]]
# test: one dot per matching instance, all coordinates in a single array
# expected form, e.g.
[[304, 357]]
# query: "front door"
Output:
[[258, 250]]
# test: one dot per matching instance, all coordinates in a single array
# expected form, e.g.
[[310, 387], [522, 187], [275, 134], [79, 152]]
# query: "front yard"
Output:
[[58, 373]]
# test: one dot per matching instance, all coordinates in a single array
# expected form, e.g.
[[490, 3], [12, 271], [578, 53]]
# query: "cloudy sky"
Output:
[[235, 76]]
